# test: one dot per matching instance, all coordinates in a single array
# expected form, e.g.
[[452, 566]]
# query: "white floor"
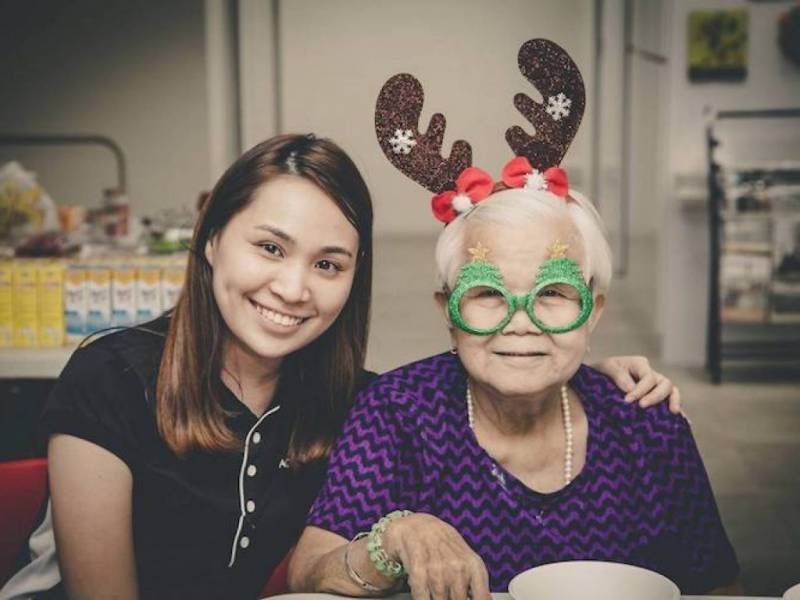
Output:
[[748, 433]]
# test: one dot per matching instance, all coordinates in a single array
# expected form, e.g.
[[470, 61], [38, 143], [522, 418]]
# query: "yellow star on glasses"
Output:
[[557, 249], [479, 252]]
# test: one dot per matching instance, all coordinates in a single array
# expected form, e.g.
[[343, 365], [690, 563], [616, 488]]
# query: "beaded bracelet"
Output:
[[353, 574], [377, 554]]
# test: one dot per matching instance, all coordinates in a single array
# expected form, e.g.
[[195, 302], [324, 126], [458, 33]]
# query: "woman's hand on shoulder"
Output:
[[438, 561], [91, 495], [641, 383]]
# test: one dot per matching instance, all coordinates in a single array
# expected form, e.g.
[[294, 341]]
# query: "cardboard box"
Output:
[[123, 295], [50, 276], [171, 284], [148, 293], [25, 305], [75, 302], [6, 303], [98, 298]]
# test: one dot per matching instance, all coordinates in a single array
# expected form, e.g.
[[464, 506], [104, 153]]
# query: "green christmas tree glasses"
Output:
[[480, 304]]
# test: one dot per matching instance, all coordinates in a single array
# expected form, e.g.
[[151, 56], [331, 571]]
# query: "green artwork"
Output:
[[718, 45]]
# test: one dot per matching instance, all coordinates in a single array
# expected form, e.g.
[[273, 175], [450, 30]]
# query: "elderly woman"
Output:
[[509, 452], [460, 470]]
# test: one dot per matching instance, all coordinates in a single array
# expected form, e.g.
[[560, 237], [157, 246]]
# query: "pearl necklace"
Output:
[[566, 418]]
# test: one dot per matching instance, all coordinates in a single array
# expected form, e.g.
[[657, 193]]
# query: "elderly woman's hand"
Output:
[[439, 563], [640, 382]]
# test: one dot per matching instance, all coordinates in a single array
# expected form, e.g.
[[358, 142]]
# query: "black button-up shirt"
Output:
[[211, 525]]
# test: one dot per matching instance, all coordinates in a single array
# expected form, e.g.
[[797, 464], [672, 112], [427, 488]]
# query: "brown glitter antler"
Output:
[[554, 74], [417, 155]]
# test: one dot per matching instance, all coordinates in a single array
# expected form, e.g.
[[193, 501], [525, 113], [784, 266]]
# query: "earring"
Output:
[[453, 350]]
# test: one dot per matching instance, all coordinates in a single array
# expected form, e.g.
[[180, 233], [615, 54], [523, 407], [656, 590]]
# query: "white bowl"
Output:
[[591, 580], [793, 593], [304, 596]]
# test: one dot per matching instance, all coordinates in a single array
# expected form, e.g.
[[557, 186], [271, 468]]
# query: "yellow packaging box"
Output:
[[51, 303], [25, 306], [6, 312]]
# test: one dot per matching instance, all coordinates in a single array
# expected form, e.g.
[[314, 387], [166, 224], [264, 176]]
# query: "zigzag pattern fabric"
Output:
[[642, 498]]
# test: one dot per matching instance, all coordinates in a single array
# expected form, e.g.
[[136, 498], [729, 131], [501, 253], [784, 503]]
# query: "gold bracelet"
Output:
[[353, 574]]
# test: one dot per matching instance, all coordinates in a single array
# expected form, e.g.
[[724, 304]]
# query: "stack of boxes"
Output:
[[45, 303], [31, 303]]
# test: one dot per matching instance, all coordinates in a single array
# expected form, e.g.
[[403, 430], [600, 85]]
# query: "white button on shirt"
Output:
[[256, 437], [244, 542], [251, 471], [251, 506]]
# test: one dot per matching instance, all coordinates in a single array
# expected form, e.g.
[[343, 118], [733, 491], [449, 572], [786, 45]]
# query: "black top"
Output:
[[212, 525]]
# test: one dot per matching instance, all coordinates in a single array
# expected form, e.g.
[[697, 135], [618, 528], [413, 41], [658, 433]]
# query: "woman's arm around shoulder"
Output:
[[91, 495], [640, 382]]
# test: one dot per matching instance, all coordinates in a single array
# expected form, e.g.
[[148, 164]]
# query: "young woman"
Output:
[[184, 454]]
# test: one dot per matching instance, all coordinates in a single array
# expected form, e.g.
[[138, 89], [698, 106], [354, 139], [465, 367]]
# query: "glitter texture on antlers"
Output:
[[458, 185]]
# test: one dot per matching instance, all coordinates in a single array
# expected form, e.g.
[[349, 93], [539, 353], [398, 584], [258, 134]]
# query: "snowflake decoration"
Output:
[[535, 181], [403, 141], [558, 106]]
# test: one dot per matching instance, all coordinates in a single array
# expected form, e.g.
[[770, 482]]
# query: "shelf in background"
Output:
[[756, 342], [33, 363]]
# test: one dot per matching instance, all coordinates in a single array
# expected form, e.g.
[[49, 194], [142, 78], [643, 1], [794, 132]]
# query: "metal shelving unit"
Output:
[[749, 335]]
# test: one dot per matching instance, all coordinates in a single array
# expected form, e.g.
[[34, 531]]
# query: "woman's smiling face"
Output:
[[520, 359], [282, 268]]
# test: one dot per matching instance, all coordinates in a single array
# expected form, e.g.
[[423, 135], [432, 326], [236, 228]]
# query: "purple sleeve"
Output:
[[702, 555], [369, 471]]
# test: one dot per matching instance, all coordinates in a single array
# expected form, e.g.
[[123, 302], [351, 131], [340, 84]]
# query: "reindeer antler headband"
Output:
[[455, 182]]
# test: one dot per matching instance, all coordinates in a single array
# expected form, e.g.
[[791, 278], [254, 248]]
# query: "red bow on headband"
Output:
[[518, 172], [475, 185], [472, 186]]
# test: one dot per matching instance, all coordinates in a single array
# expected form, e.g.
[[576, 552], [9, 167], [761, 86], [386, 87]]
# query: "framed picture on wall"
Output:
[[718, 45]]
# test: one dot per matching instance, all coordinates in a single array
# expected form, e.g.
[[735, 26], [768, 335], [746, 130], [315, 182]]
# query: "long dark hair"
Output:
[[321, 377]]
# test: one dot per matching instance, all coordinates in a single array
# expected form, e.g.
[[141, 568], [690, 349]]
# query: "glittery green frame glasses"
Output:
[[484, 274]]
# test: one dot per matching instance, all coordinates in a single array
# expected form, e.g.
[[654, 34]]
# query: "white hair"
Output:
[[515, 207]]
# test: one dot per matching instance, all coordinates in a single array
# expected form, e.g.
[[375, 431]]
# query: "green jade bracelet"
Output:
[[377, 554]]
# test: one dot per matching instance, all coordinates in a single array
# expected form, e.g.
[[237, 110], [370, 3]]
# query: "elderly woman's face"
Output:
[[520, 359]]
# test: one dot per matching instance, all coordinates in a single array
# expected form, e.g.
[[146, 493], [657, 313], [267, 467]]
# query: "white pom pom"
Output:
[[462, 203], [535, 181]]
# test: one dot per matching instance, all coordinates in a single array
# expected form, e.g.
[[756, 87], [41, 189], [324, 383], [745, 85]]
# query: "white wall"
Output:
[[648, 104], [772, 82], [608, 108], [647, 90], [152, 76], [257, 71], [221, 82], [335, 56], [134, 71]]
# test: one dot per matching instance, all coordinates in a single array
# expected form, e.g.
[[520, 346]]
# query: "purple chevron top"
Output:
[[643, 496]]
